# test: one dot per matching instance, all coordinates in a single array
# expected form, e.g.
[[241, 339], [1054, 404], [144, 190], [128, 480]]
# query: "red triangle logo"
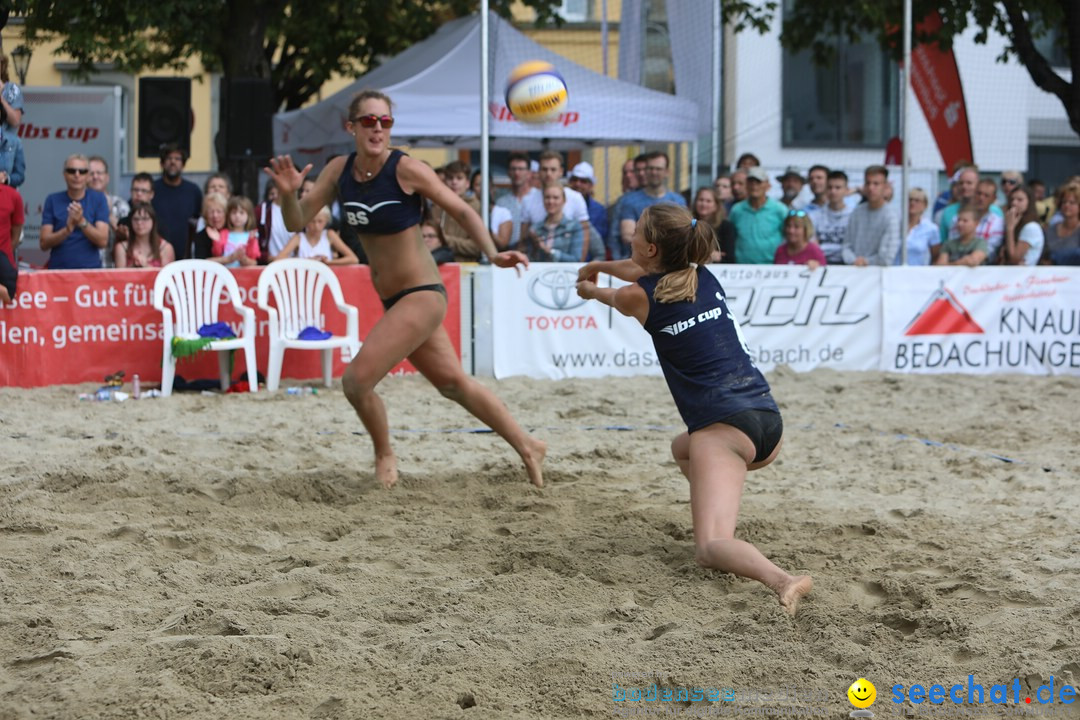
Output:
[[943, 315]]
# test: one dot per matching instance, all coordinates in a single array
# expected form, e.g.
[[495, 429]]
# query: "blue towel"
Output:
[[313, 333], [218, 330]]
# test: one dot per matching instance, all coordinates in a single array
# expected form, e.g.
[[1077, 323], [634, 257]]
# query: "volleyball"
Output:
[[535, 92]]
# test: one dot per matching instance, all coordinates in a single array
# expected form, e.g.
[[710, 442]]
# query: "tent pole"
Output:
[[904, 124], [485, 129], [604, 68], [693, 172], [714, 120]]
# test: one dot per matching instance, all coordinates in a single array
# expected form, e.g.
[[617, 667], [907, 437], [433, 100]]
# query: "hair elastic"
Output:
[[693, 222]]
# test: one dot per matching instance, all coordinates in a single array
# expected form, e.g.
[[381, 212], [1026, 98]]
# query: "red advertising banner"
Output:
[[66, 327], [935, 79]]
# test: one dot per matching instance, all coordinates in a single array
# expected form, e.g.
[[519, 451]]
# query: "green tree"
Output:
[[814, 24], [295, 46]]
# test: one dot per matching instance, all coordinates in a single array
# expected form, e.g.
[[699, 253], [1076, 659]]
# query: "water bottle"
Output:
[[292, 391], [135, 388]]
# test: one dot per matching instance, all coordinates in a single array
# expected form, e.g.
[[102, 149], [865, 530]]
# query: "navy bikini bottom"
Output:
[[392, 300], [763, 427]]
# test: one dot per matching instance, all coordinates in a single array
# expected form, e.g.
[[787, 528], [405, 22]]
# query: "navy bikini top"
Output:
[[378, 206]]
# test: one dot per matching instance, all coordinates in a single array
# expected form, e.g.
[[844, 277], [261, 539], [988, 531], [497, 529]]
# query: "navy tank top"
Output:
[[702, 353], [378, 206]]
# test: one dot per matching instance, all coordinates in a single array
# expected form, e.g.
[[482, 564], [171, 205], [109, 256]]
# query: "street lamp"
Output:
[[20, 58]]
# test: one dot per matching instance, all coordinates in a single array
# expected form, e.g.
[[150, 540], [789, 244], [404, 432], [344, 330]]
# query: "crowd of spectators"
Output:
[[966, 224], [551, 215]]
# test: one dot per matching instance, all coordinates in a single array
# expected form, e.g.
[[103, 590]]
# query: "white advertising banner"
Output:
[[541, 328], [789, 315], [982, 321], [830, 317]]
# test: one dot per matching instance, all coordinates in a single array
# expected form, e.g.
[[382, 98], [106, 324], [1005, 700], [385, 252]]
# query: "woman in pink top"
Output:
[[797, 248]]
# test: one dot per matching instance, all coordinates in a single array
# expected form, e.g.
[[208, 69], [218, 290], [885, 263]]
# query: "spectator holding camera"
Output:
[[12, 159]]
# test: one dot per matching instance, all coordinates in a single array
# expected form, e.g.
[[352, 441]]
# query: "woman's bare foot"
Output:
[[386, 469], [791, 593], [533, 456]]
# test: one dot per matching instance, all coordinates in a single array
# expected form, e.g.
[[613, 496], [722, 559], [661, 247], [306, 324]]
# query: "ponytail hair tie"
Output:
[[693, 222]]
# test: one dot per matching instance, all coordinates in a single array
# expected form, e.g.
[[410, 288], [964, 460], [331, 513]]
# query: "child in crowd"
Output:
[[457, 237], [797, 249], [319, 243], [240, 234], [144, 246], [733, 423], [968, 248]]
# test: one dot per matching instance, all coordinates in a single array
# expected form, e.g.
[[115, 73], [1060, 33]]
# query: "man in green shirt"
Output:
[[758, 221]]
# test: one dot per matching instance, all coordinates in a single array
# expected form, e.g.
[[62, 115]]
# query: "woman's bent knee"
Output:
[[452, 389], [356, 383]]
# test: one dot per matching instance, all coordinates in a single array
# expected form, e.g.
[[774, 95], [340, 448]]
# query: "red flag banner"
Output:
[[74, 326], [935, 79]]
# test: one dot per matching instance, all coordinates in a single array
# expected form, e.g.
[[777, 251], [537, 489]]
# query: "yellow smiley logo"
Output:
[[862, 693]]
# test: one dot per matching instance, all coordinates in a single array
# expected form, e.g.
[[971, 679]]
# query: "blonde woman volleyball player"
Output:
[[381, 192], [733, 424]]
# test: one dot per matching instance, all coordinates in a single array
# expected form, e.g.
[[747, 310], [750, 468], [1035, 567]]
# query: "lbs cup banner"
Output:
[[789, 315], [995, 320]]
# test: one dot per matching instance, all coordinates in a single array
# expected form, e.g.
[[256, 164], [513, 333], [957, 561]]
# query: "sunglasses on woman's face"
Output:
[[368, 121]]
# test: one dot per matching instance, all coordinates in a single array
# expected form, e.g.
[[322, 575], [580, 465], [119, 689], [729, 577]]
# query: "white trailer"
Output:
[[58, 122]]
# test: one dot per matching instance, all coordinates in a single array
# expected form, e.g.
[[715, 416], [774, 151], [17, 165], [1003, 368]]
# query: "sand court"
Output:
[[234, 557]]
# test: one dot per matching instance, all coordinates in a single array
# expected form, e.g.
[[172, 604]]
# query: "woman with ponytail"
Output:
[[733, 423]]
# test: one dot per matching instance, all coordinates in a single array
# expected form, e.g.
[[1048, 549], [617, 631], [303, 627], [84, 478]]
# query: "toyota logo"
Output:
[[555, 290]]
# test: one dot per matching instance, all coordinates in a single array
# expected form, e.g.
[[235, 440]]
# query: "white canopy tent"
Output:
[[435, 86]]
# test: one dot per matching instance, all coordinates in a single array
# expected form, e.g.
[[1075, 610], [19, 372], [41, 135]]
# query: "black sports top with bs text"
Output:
[[705, 361], [378, 206]]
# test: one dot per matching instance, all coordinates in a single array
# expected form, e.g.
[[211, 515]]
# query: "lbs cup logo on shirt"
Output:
[[357, 212]]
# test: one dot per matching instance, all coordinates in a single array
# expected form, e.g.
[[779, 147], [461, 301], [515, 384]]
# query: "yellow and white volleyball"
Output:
[[535, 92]]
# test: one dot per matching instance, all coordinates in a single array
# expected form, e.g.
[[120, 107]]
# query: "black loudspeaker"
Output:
[[249, 112], [164, 114]]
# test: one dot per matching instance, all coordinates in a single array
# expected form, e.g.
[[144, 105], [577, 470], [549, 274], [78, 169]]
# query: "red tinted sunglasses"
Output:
[[368, 121]]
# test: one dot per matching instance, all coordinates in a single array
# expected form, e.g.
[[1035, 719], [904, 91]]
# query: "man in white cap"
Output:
[[582, 179], [758, 221], [791, 182]]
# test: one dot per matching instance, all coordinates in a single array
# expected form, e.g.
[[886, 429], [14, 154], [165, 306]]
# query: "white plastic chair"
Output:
[[196, 288], [297, 287]]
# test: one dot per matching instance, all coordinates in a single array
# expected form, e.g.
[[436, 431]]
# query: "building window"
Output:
[[853, 102], [658, 71], [1052, 47], [574, 11]]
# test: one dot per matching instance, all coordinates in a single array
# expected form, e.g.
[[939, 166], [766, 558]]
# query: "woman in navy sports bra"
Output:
[[381, 194], [733, 424]]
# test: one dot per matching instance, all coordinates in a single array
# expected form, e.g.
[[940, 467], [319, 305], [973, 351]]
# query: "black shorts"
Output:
[[392, 300], [763, 427], [9, 274]]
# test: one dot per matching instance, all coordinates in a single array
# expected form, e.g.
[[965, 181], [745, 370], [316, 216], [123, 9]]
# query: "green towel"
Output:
[[182, 348]]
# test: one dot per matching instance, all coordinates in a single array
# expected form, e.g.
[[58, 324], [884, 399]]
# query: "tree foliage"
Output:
[[298, 45]]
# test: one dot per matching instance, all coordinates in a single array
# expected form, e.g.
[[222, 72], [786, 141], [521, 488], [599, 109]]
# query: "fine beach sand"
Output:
[[232, 557]]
